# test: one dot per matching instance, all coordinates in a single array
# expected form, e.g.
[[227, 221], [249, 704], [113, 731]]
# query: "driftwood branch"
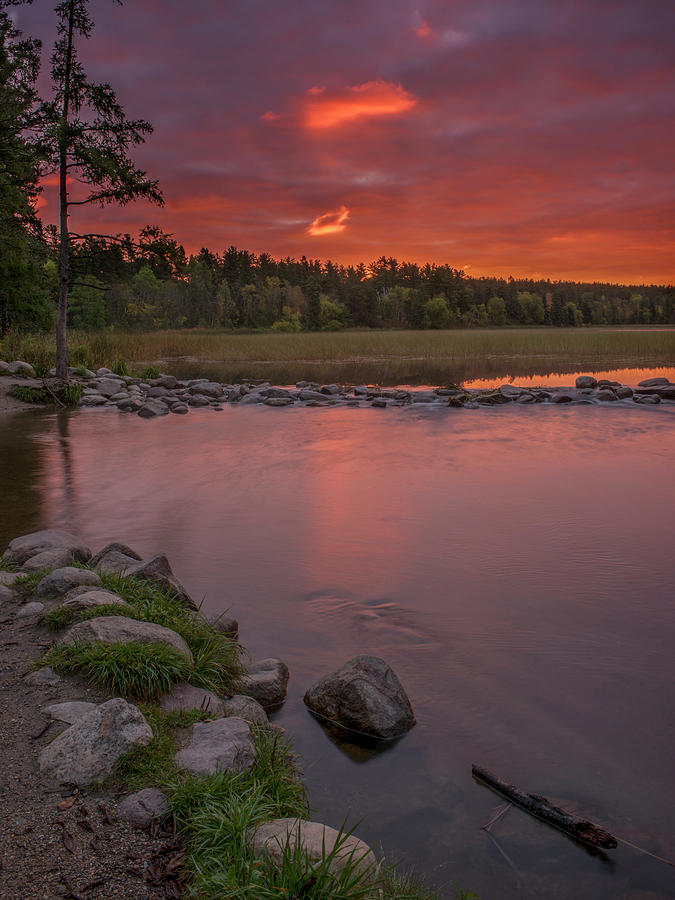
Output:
[[539, 806]]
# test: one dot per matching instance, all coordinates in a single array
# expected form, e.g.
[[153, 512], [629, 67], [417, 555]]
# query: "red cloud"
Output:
[[330, 222], [374, 98]]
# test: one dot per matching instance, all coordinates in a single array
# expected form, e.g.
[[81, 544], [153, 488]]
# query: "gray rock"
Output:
[[114, 629], [586, 381], [311, 395], [4, 367], [8, 578], [275, 393], [92, 400], [526, 398], [364, 696], [89, 750], [152, 408], [108, 387], [30, 609], [143, 807], [180, 409], [130, 404], [646, 399], [60, 581], [624, 392], [198, 401], [158, 391], [167, 381], [42, 677], [605, 395], [225, 745], [70, 711], [29, 545], [379, 403], [185, 697], [115, 547], [251, 398], [266, 681], [246, 708], [653, 382], [278, 401], [226, 625], [86, 599], [210, 389], [6, 594], [18, 367], [103, 371], [49, 559], [562, 397], [124, 397], [317, 841], [493, 398], [158, 572]]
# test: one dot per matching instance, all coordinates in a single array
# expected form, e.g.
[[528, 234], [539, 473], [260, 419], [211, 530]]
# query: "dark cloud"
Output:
[[521, 135]]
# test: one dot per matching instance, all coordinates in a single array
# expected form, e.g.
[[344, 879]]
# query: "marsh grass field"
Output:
[[384, 357]]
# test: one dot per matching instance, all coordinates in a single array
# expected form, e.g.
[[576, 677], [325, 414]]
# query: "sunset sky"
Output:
[[523, 137]]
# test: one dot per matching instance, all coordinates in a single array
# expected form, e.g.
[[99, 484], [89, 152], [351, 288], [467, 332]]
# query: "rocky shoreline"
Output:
[[167, 394], [78, 736]]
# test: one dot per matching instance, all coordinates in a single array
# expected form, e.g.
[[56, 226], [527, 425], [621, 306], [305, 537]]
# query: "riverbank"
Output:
[[65, 835]]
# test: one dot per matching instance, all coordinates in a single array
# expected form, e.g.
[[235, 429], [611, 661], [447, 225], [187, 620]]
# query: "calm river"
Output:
[[514, 566]]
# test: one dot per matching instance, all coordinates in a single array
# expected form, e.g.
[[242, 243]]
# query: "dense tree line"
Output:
[[149, 282], [152, 283]]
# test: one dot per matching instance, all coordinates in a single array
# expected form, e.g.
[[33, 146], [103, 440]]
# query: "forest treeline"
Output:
[[151, 283]]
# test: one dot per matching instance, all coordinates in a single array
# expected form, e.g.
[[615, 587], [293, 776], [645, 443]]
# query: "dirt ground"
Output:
[[48, 851], [11, 404]]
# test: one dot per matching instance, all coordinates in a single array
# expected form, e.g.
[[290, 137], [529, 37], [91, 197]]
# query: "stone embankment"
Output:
[[86, 735], [166, 394]]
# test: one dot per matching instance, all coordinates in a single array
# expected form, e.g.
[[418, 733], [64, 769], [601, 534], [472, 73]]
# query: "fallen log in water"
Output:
[[539, 806]]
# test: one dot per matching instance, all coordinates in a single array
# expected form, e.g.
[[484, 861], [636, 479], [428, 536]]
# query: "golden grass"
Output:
[[233, 353]]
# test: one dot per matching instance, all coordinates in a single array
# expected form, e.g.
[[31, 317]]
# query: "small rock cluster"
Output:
[[363, 697]]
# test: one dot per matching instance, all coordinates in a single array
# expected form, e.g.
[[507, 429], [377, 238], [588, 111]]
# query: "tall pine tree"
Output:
[[87, 135]]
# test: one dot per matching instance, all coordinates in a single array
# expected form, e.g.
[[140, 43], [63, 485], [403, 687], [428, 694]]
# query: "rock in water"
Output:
[[316, 840], [266, 681], [364, 696], [225, 745], [89, 750]]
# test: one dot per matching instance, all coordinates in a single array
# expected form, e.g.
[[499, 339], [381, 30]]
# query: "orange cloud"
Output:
[[374, 98], [424, 30], [330, 222]]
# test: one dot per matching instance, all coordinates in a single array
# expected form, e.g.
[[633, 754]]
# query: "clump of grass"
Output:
[[66, 394], [82, 371], [119, 366], [149, 372], [60, 617], [140, 671], [6, 565], [29, 582]]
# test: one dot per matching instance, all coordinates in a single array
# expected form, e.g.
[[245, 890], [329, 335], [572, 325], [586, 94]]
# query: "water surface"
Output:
[[514, 566]]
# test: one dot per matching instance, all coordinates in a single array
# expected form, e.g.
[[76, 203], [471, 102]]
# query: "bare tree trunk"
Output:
[[64, 246]]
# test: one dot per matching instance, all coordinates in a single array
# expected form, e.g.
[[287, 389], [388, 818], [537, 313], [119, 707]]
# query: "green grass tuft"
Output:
[[119, 366], [139, 671]]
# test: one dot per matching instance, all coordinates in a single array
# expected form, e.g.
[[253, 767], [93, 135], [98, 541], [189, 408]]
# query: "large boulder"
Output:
[[19, 367], [152, 408], [49, 559], [89, 750], [225, 745], [119, 629], [266, 681], [586, 381], [364, 696], [316, 840], [185, 697], [144, 807], [60, 581], [28, 545], [108, 387]]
